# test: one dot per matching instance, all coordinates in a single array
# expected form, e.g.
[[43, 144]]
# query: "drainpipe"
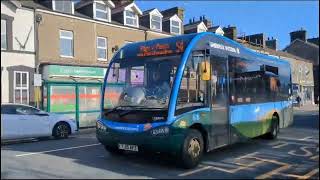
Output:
[[37, 20], [145, 35]]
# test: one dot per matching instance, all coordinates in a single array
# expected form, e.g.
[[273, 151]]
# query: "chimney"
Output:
[[300, 34], [193, 20], [190, 21], [172, 11], [257, 40], [230, 32], [271, 43], [206, 21], [118, 3], [201, 18]]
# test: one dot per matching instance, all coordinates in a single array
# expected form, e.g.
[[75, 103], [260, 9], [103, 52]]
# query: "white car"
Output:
[[22, 121]]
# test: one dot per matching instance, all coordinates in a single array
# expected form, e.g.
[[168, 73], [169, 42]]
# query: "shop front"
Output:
[[73, 91]]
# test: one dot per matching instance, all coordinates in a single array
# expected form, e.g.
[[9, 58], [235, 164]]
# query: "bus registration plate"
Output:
[[128, 147]]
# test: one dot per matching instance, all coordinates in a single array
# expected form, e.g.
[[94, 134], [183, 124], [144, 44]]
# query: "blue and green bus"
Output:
[[189, 94]]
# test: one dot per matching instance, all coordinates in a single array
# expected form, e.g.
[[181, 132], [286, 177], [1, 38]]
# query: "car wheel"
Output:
[[61, 131], [274, 131], [192, 149], [113, 150]]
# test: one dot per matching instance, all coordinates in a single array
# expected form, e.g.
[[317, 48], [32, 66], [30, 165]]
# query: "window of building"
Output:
[[66, 6], [131, 18], [101, 11], [156, 22], [201, 29], [21, 87], [175, 27], [102, 48], [3, 34], [66, 43]]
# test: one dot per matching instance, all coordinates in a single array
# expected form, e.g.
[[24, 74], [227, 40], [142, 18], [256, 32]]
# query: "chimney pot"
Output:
[[200, 18]]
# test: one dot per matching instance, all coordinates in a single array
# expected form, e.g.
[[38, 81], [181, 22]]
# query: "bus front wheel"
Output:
[[192, 149]]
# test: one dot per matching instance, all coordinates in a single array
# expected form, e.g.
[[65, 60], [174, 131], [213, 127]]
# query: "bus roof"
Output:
[[177, 45]]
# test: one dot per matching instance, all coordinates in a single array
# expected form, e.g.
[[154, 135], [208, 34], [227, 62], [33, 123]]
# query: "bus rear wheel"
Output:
[[274, 131], [192, 149]]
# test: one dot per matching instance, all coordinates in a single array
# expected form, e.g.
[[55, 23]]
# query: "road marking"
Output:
[[306, 176], [75, 147], [304, 148], [304, 140], [315, 157], [275, 171], [311, 173], [297, 143], [239, 166], [308, 137], [280, 145], [195, 171]]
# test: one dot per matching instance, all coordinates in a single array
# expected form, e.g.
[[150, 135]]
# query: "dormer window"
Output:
[[156, 23], [155, 19], [66, 6], [201, 27], [175, 27], [131, 19], [101, 11]]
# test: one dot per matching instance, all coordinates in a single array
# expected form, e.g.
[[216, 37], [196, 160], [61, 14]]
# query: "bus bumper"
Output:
[[170, 143]]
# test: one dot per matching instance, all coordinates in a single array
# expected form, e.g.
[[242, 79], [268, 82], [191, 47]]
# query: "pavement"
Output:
[[295, 154], [307, 107]]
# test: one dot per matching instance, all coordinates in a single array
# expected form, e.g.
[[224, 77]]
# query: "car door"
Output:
[[10, 128], [32, 123]]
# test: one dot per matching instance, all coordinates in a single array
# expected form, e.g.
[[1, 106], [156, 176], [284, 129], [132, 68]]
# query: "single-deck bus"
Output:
[[189, 94]]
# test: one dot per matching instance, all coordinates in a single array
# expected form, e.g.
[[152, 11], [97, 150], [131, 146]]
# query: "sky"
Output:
[[274, 18]]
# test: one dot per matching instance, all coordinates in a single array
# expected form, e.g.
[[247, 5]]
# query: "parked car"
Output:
[[23, 121]]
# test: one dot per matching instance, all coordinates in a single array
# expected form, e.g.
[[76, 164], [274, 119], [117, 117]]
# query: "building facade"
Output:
[[75, 47], [17, 53], [306, 49]]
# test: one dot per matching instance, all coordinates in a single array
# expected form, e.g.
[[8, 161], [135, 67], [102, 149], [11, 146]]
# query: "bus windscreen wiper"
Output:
[[139, 108], [115, 108]]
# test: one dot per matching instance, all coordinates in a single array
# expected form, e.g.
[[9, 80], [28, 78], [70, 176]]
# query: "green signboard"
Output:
[[77, 71]]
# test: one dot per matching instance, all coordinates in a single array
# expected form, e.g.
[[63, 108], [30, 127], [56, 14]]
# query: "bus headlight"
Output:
[[164, 130], [100, 126]]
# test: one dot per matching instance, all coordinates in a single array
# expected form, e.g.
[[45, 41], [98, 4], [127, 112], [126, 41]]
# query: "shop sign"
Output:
[[57, 70]]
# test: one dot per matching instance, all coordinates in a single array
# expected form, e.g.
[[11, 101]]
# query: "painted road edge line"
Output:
[[195, 171], [62, 149]]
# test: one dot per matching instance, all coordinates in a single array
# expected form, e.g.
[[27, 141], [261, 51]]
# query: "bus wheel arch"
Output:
[[274, 128], [275, 116]]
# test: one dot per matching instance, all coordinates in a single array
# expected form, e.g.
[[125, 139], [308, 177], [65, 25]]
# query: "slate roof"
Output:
[[304, 49]]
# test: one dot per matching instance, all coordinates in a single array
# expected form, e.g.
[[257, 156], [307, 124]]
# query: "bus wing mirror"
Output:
[[205, 71]]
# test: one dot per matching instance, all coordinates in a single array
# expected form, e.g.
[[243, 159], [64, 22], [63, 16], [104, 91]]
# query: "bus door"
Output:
[[219, 101]]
